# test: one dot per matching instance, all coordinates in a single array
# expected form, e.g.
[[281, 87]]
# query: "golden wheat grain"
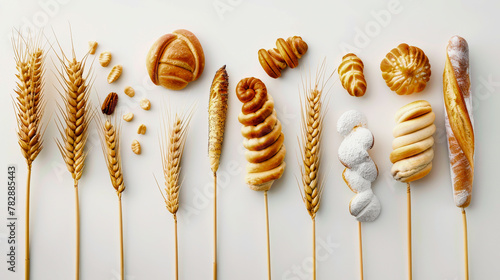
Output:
[[73, 122], [110, 142], [29, 102], [312, 125], [74, 114], [172, 150], [29, 106]]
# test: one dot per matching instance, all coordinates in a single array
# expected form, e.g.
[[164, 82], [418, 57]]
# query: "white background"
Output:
[[233, 37]]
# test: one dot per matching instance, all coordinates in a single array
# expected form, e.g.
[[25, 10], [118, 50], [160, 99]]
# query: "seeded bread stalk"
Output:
[[217, 110]]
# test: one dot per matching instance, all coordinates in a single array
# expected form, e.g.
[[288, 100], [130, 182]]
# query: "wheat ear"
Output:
[[73, 122], [29, 107], [312, 125], [110, 142], [172, 141], [217, 111]]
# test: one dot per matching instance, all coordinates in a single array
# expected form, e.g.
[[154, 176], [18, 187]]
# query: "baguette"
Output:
[[458, 119]]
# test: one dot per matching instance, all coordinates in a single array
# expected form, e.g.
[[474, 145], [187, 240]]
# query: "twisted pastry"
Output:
[[360, 169], [406, 69], [458, 119], [412, 147], [351, 75], [265, 151], [287, 53]]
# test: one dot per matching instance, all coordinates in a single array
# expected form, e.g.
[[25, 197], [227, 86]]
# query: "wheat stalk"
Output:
[[110, 143], [75, 117], [172, 143], [29, 106], [312, 125], [217, 111]]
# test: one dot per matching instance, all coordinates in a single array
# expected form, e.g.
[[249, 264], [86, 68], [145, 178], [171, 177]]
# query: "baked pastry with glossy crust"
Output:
[[406, 69], [175, 60], [286, 53], [264, 141], [351, 75]]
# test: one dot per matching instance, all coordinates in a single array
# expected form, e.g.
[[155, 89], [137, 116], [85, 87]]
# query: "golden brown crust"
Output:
[[287, 52], [175, 59], [406, 69], [264, 140], [457, 112], [458, 119], [351, 75]]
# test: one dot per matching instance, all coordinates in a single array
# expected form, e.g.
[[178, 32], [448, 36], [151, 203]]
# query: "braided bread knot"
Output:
[[286, 53], [360, 169], [351, 75], [264, 141]]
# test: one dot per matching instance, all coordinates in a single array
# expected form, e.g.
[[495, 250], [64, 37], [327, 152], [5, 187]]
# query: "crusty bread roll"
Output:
[[351, 75], [175, 59], [264, 140], [413, 153], [458, 119]]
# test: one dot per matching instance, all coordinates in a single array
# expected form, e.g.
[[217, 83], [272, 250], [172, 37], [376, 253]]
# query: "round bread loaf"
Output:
[[175, 59]]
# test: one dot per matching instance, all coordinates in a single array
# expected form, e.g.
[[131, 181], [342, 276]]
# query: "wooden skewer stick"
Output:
[[466, 247], [268, 241], [176, 250], [360, 250], [408, 198], [314, 246], [77, 206], [27, 239], [215, 225], [122, 263]]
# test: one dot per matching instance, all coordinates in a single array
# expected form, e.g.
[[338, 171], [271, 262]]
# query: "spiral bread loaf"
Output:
[[458, 119], [265, 151], [287, 53], [406, 69], [360, 169], [351, 75], [412, 147], [175, 59]]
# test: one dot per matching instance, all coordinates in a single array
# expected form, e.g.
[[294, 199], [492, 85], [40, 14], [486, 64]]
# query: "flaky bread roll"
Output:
[[458, 119], [264, 140]]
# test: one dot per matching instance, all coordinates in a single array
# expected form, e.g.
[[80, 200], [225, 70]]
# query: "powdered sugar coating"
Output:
[[360, 170]]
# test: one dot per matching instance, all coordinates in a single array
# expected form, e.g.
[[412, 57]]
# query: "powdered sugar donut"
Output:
[[360, 169]]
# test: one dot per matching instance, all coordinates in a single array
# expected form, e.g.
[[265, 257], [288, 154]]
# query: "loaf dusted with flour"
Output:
[[458, 119], [264, 141], [360, 169]]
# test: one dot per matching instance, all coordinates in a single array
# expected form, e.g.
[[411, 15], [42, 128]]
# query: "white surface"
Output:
[[128, 28]]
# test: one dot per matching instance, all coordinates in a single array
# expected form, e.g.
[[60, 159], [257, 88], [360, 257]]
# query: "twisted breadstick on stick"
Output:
[[412, 147], [458, 119], [351, 75], [263, 137], [287, 53], [360, 169]]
